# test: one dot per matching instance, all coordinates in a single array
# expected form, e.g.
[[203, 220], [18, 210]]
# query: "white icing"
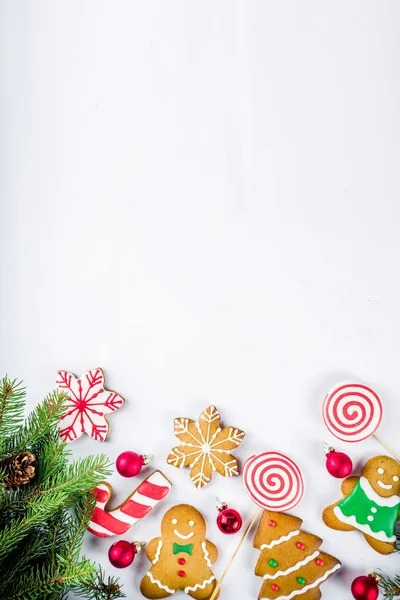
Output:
[[157, 554], [206, 554], [191, 523], [384, 486], [200, 586], [375, 497], [378, 535], [294, 568], [280, 540], [308, 587], [183, 537], [374, 509], [159, 584], [370, 518], [174, 521], [381, 471], [395, 477]]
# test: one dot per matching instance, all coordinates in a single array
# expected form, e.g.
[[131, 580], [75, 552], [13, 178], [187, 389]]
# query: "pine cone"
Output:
[[20, 469]]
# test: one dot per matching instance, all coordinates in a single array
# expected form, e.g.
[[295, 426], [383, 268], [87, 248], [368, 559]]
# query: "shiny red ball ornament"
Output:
[[338, 464], [129, 463], [122, 553], [229, 520], [365, 587]]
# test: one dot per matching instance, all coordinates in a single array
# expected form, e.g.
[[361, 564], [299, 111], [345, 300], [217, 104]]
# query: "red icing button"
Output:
[[300, 545], [181, 561], [271, 523], [181, 573], [320, 562], [274, 587]]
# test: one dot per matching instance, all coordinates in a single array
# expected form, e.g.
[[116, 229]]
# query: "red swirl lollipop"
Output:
[[353, 412], [273, 481]]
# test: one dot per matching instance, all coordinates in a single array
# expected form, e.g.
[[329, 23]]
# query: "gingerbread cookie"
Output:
[[205, 447], [290, 561], [370, 504], [181, 558]]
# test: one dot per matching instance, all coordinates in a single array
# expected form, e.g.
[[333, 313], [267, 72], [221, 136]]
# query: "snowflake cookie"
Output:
[[205, 447], [88, 403]]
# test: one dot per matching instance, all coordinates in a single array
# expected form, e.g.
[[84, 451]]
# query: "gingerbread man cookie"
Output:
[[371, 504], [181, 558]]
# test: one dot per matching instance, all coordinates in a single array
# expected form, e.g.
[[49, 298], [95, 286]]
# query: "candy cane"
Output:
[[105, 523]]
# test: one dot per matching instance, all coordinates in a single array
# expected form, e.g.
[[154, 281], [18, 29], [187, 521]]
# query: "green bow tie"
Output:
[[178, 548]]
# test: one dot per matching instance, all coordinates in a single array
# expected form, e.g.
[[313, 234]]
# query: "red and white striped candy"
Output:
[[273, 481], [117, 521], [352, 412]]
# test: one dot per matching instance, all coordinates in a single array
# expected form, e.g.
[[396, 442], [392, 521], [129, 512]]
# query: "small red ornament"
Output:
[[274, 587], [129, 463], [229, 520], [365, 587], [272, 523], [338, 464], [122, 553]]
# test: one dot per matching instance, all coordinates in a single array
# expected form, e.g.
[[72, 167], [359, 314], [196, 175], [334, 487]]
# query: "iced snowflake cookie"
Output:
[[371, 504], [205, 447], [181, 557], [88, 402], [291, 562]]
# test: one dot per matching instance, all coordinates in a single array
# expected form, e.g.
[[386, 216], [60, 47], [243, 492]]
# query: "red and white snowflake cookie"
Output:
[[88, 402]]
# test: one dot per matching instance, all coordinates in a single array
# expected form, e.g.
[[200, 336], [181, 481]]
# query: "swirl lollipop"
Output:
[[273, 481], [353, 412]]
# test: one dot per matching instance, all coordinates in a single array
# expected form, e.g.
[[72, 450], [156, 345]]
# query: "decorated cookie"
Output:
[[105, 523], [371, 504], [87, 403], [290, 562], [205, 447], [181, 557]]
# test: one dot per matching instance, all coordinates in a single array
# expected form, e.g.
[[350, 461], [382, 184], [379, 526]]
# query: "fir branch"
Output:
[[389, 586], [12, 405], [99, 589], [38, 425]]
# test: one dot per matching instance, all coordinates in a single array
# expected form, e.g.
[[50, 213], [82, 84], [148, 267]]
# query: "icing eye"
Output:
[[174, 521], [191, 523], [380, 470], [395, 477]]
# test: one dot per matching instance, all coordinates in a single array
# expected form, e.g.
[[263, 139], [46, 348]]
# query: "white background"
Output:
[[203, 199]]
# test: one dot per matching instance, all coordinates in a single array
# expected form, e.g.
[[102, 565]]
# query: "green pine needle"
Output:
[[43, 523]]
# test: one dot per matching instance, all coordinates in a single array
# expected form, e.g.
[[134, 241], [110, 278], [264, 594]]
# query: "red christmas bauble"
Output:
[[122, 553], [365, 587], [229, 520], [129, 463], [338, 464]]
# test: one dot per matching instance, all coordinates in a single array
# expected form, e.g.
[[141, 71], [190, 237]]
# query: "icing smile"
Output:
[[385, 486], [184, 537]]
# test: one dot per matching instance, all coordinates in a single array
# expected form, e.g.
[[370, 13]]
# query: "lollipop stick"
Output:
[[232, 558], [385, 445]]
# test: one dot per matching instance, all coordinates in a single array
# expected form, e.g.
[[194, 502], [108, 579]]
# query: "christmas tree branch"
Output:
[[389, 586], [12, 396]]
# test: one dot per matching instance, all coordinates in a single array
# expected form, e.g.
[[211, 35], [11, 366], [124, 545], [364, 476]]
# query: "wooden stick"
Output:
[[385, 445], [232, 558]]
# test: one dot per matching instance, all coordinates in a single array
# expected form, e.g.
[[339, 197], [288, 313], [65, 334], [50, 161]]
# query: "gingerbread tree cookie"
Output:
[[181, 558], [205, 447], [290, 562], [371, 504]]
